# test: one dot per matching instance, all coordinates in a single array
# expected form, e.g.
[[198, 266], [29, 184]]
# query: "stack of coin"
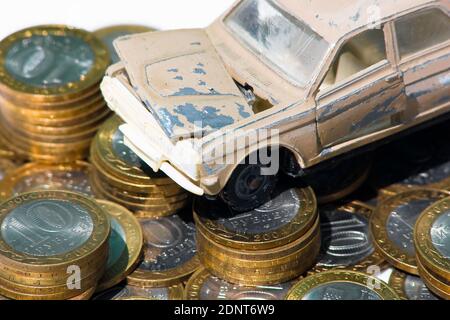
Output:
[[173, 292], [272, 244], [53, 245], [37, 176], [410, 287], [341, 285], [121, 176], [432, 243], [51, 105], [170, 254]]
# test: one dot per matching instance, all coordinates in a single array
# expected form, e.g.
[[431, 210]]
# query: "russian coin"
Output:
[[34, 177], [174, 292], [341, 285], [393, 223], [125, 244], [346, 238], [52, 61], [204, 286], [410, 287], [286, 217], [170, 253]]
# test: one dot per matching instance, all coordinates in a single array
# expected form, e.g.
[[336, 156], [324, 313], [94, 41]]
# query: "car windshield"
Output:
[[279, 39]]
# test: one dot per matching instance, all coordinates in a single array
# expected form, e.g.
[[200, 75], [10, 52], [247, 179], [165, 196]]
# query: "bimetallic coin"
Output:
[[169, 252], [432, 239], [393, 223], [438, 285], [410, 287], [125, 244], [204, 286], [52, 61], [109, 34], [174, 292], [34, 177], [288, 216], [341, 285], [346, 238], [48, 228]]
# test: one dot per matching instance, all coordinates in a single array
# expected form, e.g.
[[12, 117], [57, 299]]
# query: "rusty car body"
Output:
[[330, 77]]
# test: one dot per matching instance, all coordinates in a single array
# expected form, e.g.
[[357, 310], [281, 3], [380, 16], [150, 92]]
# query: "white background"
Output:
[[94, 14]]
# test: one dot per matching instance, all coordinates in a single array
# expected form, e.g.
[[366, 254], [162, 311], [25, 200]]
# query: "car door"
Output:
[[363, 91], [423, 48]]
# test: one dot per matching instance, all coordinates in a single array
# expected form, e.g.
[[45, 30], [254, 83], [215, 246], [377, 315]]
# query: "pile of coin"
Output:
[[53, 245], [50, 102], [120, 176], [432, 243], [272, 244]]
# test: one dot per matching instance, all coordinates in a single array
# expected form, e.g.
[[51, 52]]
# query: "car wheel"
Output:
[[247, 188]]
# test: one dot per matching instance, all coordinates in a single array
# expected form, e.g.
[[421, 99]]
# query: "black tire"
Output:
[[247, 188]]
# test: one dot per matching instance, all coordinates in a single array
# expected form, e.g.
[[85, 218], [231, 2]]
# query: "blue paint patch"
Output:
[[199, 71], [445, 80], [200, 64], [188, 91], [172, 70], [207, 116], [168, 120], [242, 112], [356, 17], [178, 78], [202, 83]]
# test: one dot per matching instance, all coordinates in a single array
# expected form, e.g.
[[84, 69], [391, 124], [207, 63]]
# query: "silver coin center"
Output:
[[49, 61], [47, 227], [341, 291], [401, 221], [169, 243], [346, 239], [123, 152], [440, 234], [415, 289]]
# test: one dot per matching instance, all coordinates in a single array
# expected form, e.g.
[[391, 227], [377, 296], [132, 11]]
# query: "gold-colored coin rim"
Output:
[[393, 254], [425, 250], [89, 80], [301, 288], [134, 242], [438, 287], [99, 236], [296, 228]]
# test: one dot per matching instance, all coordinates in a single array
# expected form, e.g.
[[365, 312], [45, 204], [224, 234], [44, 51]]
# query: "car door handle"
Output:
[[393, 78]]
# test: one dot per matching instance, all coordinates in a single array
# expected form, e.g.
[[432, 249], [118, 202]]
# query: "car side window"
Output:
[[422, 30], [357, 54]]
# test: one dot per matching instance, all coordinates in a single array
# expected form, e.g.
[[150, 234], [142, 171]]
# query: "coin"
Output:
[[109, 34], [288, 216], [437, 285], [204, 286], [52, 61], [50, 228], [170, 253], [125, 244], [393, 223], [34, 176], [432, 239], [410, 287], [341, 285], [346, 238], [174, 292]]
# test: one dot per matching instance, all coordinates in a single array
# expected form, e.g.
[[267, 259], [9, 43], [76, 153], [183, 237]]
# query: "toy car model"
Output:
[[331, 77]]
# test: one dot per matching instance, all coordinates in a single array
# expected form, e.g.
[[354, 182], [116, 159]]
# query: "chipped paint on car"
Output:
[[169, 120], [204, 116], [242, 112]]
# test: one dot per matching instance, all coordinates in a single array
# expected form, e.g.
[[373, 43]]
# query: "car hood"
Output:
[[181, 79]]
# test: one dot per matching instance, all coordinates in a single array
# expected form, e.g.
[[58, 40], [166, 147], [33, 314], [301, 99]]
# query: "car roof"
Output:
[[335, 19]]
